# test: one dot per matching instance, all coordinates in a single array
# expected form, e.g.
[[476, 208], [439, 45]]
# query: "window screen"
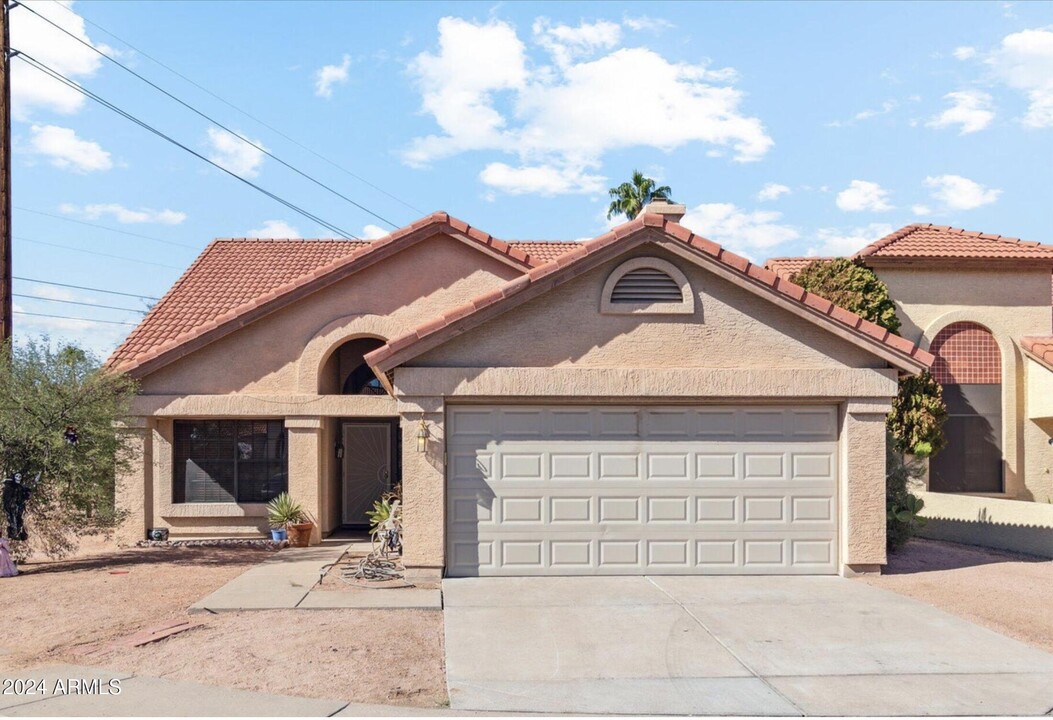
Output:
[[243, 461]]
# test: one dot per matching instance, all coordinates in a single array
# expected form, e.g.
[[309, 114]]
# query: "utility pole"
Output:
[[6, 328]]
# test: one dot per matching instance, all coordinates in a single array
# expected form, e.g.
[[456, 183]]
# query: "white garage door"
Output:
[[574, 490]]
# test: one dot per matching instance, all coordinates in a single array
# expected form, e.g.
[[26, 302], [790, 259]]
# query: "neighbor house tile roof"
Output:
[[787, 267], [237, 279], [542, 251], [915, 242], [590, 253], [1040, 348]]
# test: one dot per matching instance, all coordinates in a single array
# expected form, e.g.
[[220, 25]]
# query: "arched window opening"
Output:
[[969, 367], [363, 381], [346, 372]]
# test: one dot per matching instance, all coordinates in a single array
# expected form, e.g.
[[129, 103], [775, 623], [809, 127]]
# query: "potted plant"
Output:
[[283, 513]]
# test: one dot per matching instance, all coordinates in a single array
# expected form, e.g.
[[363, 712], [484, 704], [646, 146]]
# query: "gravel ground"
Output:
[[55, 611], [1005, 592]]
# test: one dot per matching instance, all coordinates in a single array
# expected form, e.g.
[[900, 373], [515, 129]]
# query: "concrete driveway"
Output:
[[720, 646]]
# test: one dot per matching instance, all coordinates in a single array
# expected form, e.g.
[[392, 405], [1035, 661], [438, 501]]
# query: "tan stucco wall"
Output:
[[730, 328], [1011, 304], [1025, 527]]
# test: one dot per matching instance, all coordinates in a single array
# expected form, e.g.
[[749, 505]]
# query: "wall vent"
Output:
[[646, 285]]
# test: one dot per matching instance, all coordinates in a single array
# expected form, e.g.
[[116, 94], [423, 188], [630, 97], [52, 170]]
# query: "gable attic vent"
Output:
[[646, 285]]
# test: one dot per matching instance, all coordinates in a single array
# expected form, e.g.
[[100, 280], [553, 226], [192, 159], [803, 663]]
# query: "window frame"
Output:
[[686, 306], [182, 455]]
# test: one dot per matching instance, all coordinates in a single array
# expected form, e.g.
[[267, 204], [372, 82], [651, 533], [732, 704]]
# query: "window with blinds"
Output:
[[646, 285], [217, 461]]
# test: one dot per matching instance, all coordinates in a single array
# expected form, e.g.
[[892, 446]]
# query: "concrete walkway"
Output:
[[146, 697], [727, 646], [285, 582]]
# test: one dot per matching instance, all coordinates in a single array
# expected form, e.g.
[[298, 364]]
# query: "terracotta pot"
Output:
[[300, 534]]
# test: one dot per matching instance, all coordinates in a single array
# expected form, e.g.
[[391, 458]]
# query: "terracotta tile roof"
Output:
[[235, 281], [591, 253], [1040, 348], [787, 267], [227, 274], [916, 242], [541, 251]]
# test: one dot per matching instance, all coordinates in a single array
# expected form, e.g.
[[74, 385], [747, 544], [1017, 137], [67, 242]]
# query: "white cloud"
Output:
[[329, 75], [124, 215], [278, 229], [372, 232], [960, 193], [773, 191], [863, 195], [739, 230], [838, 242], [484, 94], [1024, 61], [972, 110], [234, 154], [566, 43], [921, 209], [541, 179], [886, 107], [964, 52], [65, 150], [646, 23], [30, 88]]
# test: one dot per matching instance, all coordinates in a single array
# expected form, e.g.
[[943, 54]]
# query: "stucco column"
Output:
[[423, 489], [863, 486], [133, 492], [305, 467]]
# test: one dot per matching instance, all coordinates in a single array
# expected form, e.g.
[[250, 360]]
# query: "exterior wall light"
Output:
[[339, 451], [422, 436]]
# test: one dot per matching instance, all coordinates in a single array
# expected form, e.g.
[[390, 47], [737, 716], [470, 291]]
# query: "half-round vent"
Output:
[[646, 285]]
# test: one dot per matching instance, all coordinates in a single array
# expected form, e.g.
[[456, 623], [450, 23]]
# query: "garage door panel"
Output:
[[642, 490]]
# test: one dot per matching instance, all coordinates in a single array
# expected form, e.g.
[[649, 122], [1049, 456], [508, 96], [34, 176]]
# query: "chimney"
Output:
[[670, 211]]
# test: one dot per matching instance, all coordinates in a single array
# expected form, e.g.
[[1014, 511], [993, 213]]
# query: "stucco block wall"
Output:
[[1009, 303], [730, 328]]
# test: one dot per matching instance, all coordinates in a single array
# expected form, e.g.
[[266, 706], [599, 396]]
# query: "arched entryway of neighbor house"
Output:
[[365, 443], [969, 367]]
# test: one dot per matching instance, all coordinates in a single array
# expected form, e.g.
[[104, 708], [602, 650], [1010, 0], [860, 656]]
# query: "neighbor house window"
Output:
[[647, 286], [244, 461], [969, 367]]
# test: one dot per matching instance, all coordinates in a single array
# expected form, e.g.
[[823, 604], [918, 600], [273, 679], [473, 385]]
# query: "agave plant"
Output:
[[282, 511], [388, 507]]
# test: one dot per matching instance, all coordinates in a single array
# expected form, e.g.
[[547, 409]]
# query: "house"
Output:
[[981, 304], [642, 402]]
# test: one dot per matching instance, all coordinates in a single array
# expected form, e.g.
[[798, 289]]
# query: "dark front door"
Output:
[[369, 467]]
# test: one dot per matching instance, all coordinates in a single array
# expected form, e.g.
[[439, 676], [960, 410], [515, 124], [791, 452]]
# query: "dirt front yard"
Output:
[[79, 610], [1005, 592]]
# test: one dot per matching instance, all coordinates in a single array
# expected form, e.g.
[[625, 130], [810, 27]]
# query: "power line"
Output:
[[83, 287], [75, 302], [67, 317], [212, 120], [243, 112], [107, 104], [95, 252], [106, 227]]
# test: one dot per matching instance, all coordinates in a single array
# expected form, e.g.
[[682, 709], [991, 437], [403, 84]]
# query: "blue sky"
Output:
[[786, 128]]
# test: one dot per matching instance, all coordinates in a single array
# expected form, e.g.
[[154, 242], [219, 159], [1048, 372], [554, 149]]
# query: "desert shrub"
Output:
[[901, 506], [58, 413], [918, 413]]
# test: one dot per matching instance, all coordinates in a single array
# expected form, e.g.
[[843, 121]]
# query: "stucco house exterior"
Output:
[[642, 402], [982, 305]]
